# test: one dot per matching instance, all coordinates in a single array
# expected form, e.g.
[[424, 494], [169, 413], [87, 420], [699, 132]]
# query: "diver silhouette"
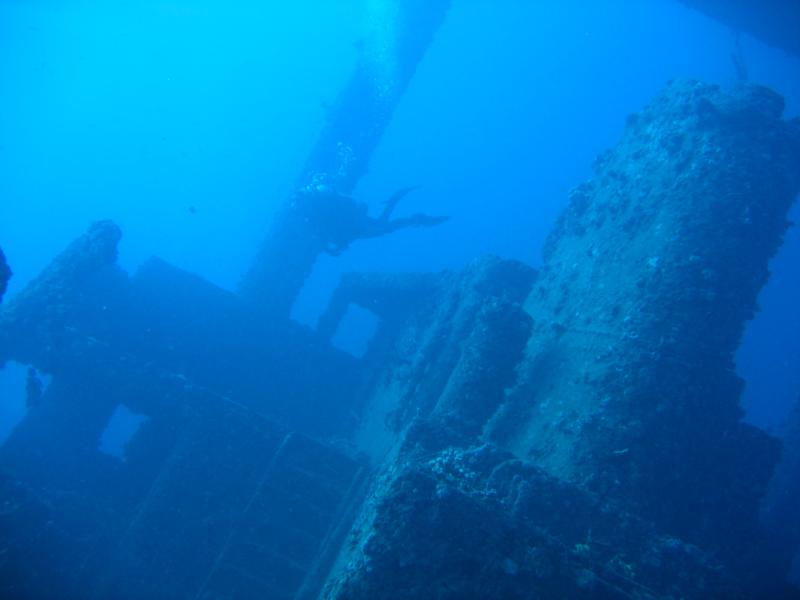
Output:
[[339, 220]]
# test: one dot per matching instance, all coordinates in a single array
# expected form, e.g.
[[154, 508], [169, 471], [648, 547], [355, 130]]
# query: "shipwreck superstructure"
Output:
[[567, 432]]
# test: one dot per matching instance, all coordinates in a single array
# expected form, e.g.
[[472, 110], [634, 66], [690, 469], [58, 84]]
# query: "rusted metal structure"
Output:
[[385, 66], [572, 432]]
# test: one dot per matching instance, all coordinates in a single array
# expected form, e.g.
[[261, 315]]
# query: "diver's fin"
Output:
[[416, 220], [391, 203], [421, 220]]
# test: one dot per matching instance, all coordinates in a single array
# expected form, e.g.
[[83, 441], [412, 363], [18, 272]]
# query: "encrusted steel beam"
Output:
[[30, 330], [302, 228], [648, 279]]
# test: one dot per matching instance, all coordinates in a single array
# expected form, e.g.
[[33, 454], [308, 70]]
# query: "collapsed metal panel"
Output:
[[203, 471], [209, 495], [240, 509]]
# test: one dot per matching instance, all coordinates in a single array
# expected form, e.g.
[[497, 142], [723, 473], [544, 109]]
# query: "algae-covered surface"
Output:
[[398, 299]]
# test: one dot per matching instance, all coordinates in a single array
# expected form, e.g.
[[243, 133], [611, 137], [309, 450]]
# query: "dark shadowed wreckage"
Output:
[[571, 432], [5, 274]]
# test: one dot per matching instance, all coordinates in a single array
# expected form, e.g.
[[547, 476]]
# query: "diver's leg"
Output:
[[391, 203], [418, 220]]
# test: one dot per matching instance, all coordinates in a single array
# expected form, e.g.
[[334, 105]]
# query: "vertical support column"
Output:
[[341, 156], [629, 383]]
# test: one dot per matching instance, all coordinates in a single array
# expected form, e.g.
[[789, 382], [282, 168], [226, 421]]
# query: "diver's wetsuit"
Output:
[[339, 220]]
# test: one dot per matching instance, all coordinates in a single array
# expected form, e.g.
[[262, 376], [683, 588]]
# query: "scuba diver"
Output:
[[338, 220]]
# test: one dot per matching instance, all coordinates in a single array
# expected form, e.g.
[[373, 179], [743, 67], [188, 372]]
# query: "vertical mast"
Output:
[[401, 33]]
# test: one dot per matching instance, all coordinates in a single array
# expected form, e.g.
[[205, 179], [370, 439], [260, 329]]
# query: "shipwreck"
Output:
[[572, 431]]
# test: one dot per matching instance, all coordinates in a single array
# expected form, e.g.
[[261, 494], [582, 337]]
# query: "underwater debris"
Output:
[[580, 419], [390, 296], [141, 342], [567, 433], [572, 417], [479, 523], [25, 319]]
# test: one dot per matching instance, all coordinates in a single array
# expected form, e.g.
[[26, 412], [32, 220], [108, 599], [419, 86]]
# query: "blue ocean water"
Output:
[[188, 122]]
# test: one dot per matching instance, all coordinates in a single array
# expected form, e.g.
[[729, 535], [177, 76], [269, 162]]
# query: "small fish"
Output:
[[192, 209]]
